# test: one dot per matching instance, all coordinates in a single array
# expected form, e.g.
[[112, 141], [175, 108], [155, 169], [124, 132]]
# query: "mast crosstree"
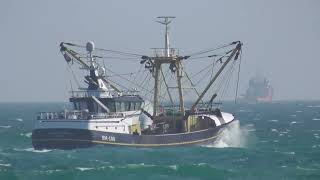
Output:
[[166, 56]]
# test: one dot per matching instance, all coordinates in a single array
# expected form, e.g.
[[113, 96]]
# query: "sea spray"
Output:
[[233, 136]]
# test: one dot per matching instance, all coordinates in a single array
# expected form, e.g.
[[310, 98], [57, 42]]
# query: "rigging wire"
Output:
[[137, 85], [73, 75], [210, 50], [107, 50], [224, 90]]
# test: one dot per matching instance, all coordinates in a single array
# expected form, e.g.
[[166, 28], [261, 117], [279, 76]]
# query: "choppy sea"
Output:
[[280, 140]]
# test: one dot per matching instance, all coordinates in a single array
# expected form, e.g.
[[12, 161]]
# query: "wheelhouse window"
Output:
[[132, 106], [118, 106], [111, 105]]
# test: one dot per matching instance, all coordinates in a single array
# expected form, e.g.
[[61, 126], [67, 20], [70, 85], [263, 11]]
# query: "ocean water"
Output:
[[279, 140]]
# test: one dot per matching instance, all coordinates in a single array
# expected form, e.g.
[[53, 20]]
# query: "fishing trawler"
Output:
[[106, 113]]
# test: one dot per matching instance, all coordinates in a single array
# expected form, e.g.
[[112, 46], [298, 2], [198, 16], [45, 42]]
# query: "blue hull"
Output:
[[81, 138]]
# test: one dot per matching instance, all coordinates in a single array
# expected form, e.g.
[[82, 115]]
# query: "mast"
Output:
[[166, 56], [166, 21], [179, 77]]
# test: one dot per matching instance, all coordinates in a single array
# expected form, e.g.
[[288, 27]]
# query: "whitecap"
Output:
[[293, 122], [53, 170], [316, 119], [276, 141], [290, 153], [293, 115], [84, 168], [298, 111], [139, 165], [6, 126], [174, 167], [306, 169], [273, 120], [283, 166], [28, 135], [202, 164], [315, 106], [6, 165], [33, 150], [19, 119], [274, 130]]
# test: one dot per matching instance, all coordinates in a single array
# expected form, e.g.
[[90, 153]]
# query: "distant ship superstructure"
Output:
[[259, 90]]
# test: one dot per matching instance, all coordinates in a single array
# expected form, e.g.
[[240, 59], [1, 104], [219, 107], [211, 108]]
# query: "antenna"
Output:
[[166, 21]]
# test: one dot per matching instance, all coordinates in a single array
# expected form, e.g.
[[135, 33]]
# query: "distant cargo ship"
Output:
[[259, 90]]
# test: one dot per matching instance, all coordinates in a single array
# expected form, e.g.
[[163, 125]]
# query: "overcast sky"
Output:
[[281, 39]]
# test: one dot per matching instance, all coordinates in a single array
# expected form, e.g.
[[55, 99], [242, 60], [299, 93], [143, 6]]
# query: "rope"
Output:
[[73, 75], [106, 50], [209, 50]]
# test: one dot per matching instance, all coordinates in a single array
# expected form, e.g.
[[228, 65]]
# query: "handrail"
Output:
[[76, 115]]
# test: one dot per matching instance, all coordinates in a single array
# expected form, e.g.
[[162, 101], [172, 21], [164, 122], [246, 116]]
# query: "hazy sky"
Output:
[[281, 39]]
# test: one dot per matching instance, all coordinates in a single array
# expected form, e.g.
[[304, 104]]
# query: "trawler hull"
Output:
[[61, 138]]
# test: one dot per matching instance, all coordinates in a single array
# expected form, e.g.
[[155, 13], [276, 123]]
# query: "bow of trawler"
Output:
[[101, 113]]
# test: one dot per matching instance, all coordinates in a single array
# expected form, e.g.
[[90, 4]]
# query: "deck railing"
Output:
[[76, 115], [161, 52]]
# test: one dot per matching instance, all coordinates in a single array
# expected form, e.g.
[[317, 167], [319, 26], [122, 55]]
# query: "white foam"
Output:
[[174, 167], [19, 119], [306, 169], [5, 127], [290, 153], [315, 106], [53, 170], [316, 119], [33, 150], [84, 168], [274, 130], [26, 134], [6, 165], [139, 165], [293, 122], [233, 136], [273, 120]]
